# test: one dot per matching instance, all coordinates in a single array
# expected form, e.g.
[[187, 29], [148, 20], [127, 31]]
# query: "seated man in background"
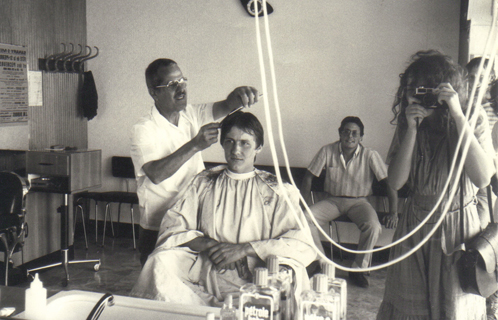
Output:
[[350, 170], [229, 220]]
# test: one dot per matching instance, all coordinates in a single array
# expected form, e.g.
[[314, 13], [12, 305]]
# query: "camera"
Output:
[[427, 97]]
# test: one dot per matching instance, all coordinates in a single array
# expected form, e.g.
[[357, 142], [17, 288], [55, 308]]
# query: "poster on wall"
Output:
[[13, 85]]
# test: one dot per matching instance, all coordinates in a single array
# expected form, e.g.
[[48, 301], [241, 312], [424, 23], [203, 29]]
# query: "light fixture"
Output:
[[249, 5]]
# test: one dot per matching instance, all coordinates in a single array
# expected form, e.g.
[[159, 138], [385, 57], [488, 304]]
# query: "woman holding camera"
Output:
[[425, 285]]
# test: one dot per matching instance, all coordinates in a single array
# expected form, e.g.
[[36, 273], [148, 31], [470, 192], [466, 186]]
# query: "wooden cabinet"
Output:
[[52, 176], [64, 171]]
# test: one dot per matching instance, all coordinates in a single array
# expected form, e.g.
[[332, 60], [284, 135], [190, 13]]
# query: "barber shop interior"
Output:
[[248, 159]]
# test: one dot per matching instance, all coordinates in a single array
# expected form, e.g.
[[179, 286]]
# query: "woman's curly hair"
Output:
[[432, 68]]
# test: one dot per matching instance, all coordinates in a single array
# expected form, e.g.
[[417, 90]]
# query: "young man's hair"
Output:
[[246, 122], [152, 77], [352, 119], [474, 63]]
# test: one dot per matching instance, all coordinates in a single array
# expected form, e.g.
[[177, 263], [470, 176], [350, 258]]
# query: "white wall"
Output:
[[480, 15], [14, 137], [333, 59]]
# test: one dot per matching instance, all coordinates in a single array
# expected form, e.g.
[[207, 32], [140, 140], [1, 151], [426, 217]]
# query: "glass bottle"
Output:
[[282, 280], [340, 286], [258, 300], [228, 312], [318, 303]]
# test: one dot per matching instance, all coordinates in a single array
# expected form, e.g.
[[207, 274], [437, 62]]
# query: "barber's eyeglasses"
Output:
[[347, 132], [173, 83]]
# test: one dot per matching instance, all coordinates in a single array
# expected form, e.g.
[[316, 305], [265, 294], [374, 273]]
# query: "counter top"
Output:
[[12, 297], [77, 304]]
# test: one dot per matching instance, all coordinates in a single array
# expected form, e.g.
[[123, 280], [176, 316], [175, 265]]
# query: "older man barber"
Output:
[[166, 142]]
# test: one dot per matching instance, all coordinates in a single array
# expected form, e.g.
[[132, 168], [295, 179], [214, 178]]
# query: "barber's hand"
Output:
[[391, 220], [207, 135], [242, 97], [224, 254]]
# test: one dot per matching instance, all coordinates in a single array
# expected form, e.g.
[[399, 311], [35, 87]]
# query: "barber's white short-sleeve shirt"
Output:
[[154, 137]]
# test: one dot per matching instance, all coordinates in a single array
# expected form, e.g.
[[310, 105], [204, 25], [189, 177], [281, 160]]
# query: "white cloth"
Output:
[[231, 208], [154, 137]]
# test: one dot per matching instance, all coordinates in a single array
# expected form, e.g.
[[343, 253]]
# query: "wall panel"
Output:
[[42, 26]]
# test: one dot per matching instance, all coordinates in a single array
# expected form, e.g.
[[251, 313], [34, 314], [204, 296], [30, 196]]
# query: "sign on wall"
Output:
[[13, 85]]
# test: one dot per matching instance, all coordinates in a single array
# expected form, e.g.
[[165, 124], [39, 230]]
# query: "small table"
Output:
[[64, 172]]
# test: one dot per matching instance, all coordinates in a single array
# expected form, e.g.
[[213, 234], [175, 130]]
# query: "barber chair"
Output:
[[13, 227]]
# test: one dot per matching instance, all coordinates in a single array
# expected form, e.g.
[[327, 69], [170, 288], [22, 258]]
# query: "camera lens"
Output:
[[429, 100]]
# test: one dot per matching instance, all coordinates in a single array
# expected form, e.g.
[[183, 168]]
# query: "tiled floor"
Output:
[[120, 269]]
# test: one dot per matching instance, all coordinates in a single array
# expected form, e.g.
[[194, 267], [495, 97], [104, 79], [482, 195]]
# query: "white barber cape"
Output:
[[228, 207]]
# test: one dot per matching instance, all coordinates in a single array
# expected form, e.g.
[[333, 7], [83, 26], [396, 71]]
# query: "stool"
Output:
[[109, 198], [119, 197], [121, 167]]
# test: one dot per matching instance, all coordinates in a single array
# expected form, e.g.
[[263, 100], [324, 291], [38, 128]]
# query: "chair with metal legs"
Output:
[[79, 208], [122, 167], [13, 226]]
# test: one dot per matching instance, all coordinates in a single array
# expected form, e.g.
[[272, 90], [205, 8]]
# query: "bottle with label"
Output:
[[318, 303], [340, 287], [281, 281], [228, 312], [258, 300], [36, 300]]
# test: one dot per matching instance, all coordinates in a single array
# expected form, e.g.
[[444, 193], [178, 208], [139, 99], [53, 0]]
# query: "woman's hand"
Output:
[[447, 94], [415, 113]]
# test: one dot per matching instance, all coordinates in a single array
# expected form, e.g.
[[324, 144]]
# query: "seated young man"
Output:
[[350, 170], [230, 219]]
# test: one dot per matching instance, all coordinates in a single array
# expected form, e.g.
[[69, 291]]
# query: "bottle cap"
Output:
[[272, 264], [328, 269], [36, 283], [261, 276], [320, 283], [210, 316]]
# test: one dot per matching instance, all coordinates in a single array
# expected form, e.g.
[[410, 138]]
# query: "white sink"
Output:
[[77, 305]]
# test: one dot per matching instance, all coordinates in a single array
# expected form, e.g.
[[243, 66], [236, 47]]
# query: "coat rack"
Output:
[[69, 60]]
